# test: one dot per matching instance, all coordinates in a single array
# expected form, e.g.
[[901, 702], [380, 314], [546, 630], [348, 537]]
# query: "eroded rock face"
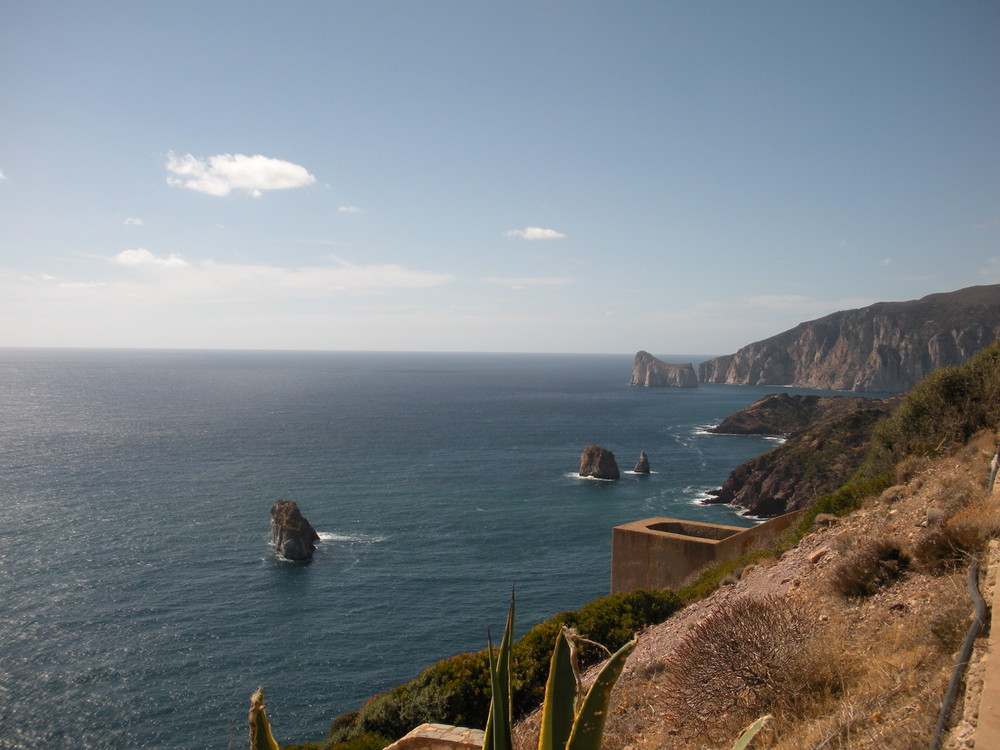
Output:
[[642, 465], [649, 371], [599, 463], [812, 462], [887, 347], [292, 535]]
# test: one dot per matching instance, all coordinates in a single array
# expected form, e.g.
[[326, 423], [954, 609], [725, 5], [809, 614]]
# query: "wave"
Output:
[[333, 536], [576, 475]]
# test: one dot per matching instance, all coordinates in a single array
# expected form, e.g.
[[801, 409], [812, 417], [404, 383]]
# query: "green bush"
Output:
[[457, 690], [948, 406]]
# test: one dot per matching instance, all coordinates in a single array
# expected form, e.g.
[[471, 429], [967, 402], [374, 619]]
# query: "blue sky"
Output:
[[682, 177]]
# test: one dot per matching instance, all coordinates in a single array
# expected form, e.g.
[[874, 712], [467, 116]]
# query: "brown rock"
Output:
[[292, 535], [597, 462]]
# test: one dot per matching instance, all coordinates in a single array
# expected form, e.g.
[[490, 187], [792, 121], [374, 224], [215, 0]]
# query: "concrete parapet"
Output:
[[440, 737], [658, 553]]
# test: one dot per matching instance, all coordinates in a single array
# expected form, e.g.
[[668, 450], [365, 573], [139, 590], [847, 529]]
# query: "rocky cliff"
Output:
[[293, 536], [784, 414], [647, 370], [886, 347], [812, 462]]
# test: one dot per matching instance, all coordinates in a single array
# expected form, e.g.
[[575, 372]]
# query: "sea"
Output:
[[140, 600]]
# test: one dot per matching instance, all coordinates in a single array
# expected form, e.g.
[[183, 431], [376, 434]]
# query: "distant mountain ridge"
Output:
[[886, 347]]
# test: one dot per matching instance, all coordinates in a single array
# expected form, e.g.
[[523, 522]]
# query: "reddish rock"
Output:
[[599, 463]]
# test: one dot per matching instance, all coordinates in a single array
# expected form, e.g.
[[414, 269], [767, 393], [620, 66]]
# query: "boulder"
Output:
[[648, 371], [642, 465], [292, 535], [599, 463]]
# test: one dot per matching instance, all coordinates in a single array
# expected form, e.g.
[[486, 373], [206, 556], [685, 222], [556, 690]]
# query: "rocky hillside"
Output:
[[847, 638], [886, 347], [784, 414], [815, 460]]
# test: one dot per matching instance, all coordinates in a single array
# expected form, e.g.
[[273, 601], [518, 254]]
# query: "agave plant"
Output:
[[572, 718]]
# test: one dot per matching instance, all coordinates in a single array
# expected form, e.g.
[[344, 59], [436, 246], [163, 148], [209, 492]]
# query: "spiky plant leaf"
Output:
[[499, 735], [260, 728], [588, 726], [560, 697], [750, 732]]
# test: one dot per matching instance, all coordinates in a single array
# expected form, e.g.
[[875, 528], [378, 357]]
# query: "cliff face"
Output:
[[647, 370], [886, 347], [813, 461]]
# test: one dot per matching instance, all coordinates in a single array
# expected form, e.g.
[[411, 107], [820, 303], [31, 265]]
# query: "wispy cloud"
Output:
[[132, 221], [524, 282], [223, 173], [350, 210], [991, 271], [535, 233], [2, 175], [171, 277]]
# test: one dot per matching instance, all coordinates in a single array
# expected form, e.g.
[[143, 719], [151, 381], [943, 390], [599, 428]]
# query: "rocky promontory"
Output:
[[649, 371], [813, 461], [783, 414], [886, 347], [293, 536], [598, 462]]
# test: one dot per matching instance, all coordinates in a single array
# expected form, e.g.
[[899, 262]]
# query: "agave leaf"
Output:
[[260, 728], [498, 724], [560, 698], [750, 732], [589, 724]]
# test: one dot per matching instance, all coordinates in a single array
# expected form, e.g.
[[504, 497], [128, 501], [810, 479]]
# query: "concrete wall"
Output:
[[658, 553]]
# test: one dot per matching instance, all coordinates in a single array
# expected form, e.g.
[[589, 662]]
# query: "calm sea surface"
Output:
[[140, 603]]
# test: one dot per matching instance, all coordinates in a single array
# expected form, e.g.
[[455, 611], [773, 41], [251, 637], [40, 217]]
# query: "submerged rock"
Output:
[[642, 465], [599, 463], [292, 535]]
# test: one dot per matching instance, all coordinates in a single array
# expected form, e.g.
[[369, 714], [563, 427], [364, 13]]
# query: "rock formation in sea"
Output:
[[886, 347], [783, 414], [599, 463], [812, 462], [647, 370], [292, 535], [642, 465]]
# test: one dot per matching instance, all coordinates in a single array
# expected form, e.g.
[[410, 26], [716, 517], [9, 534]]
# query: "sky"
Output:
[[442, 175]]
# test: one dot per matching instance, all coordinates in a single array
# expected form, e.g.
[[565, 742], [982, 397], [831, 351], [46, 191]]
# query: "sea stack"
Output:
[[599, 463], [293, 536], [649, 371], [642, 465]]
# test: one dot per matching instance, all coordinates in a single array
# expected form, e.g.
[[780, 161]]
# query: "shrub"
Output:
[[869, 568], [737, 661], [948, 406], [457, 690]]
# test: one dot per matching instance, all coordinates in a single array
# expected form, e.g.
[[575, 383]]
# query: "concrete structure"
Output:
[[659, 553], [440, 737]]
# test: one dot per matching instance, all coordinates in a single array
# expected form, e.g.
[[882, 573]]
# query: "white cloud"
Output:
[[885, 262], [2, 175], [142, 257], [132, 221], [350, 210], [524, 282], [535, 233], [223, 173]]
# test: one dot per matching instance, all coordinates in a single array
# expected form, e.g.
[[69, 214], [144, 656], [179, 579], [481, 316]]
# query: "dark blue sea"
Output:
[[140, 602]]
